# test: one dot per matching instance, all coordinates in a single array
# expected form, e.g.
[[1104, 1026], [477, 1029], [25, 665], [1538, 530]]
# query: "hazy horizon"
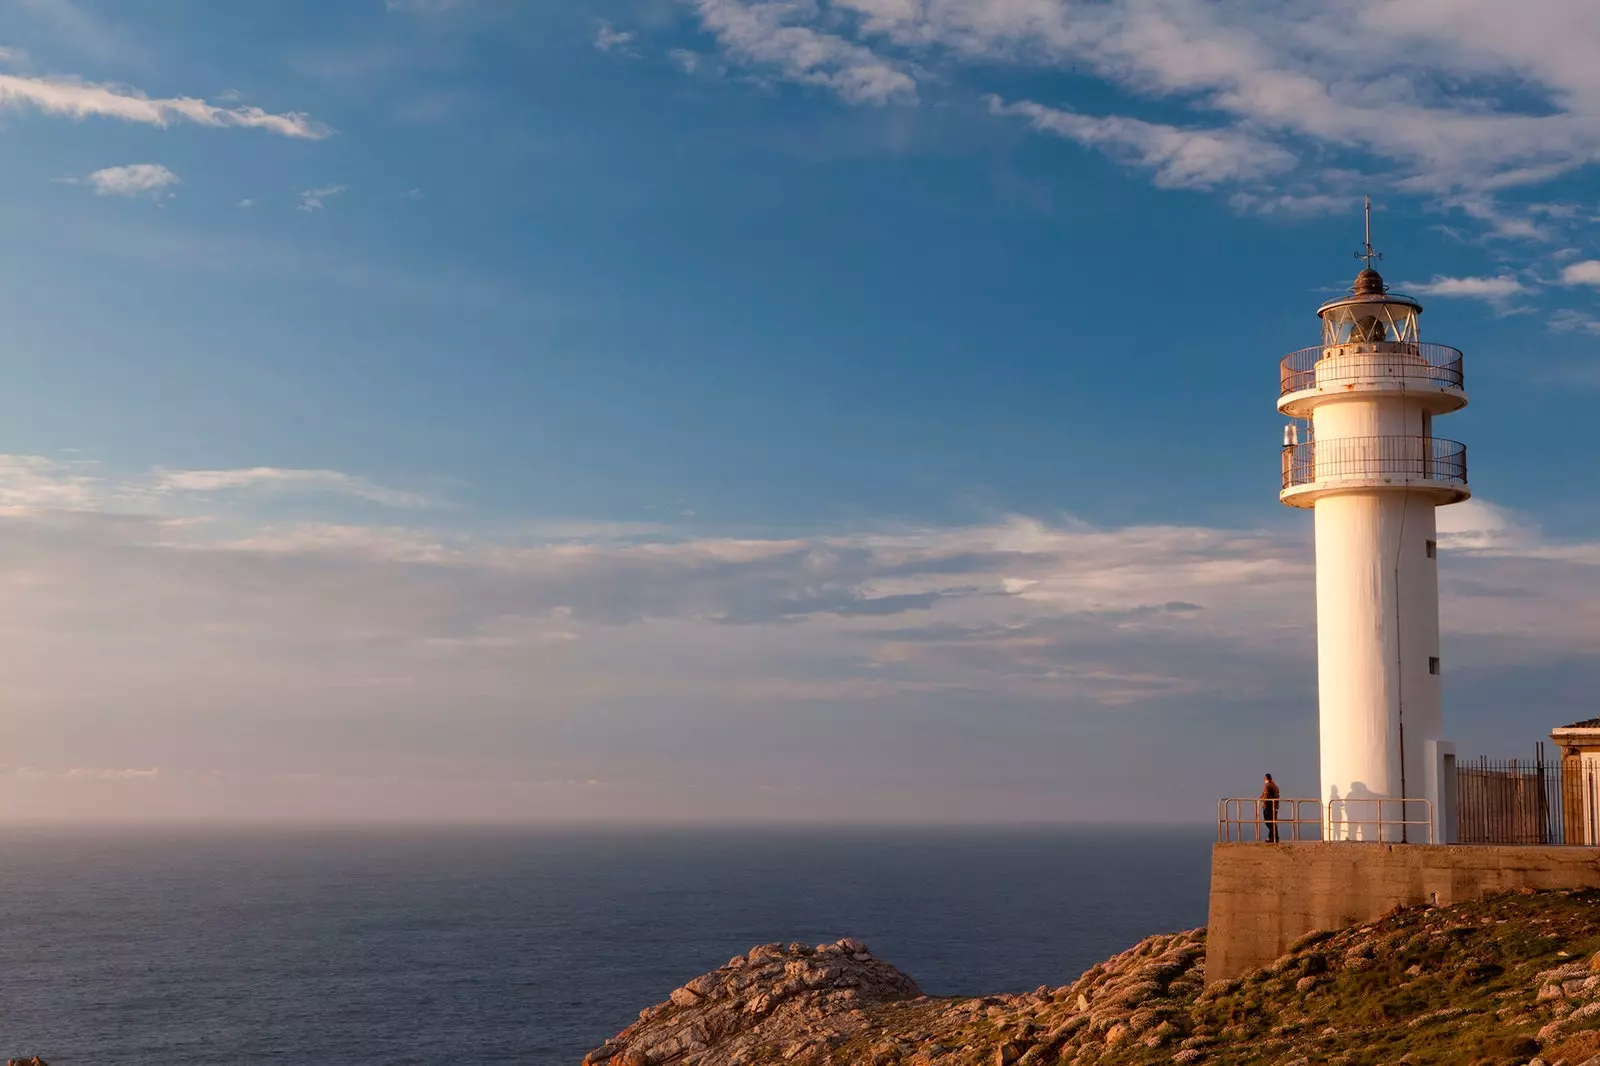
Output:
[[579, 824]]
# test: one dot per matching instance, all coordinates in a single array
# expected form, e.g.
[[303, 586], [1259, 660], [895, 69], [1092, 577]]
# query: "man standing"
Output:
[[1269, 808]]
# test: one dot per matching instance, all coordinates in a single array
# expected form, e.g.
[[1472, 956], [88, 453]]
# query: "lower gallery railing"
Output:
[[1241, 819], [1382, 458]]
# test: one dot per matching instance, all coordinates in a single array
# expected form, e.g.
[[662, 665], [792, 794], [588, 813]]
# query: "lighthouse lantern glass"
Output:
[[1368, 323]]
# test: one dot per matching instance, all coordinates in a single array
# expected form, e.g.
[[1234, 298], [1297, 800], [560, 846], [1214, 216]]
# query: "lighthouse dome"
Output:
[[1369, 283]]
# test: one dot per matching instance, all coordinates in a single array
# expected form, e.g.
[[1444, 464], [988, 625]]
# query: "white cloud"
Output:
[[972, 654], [1586, 272], [131, 773], [1567, 320], [1295, 204], [1311, 73], [314, 199], [608, 38], [1557, 210], [1180, 158], [1501, 223], [1492, 289], [80, 99], [772, 35], [248, 201], [134, 179], [31, 482], [268, 477], [1475, 524], [1438, 98], [81, 773], [689, 62]]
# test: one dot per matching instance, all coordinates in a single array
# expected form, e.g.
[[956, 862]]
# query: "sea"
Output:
[[529, 946]]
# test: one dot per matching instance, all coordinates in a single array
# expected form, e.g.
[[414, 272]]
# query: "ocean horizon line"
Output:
[[581, 825]]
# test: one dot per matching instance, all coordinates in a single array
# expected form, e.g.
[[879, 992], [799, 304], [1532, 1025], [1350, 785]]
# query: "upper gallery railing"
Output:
[[1436, 364]]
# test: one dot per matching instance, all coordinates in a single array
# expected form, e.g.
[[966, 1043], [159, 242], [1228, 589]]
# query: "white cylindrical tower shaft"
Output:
[[1377, 634], [1373, 471]]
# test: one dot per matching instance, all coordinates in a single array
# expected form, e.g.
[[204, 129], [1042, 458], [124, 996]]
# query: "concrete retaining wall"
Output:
[[1264, 896]]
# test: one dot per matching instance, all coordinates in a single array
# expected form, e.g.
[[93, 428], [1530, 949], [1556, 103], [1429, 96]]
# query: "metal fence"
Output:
[[1528, 801]]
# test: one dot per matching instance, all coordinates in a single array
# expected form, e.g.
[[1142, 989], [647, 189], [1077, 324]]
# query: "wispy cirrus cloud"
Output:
[[316, 199], [1568, 320], [1305, 93], [31, 483], [689, 62], [1294, 204], [81, 773], [79, 99], [270, 478], [775, 36], [608, 38], [1179, 157]]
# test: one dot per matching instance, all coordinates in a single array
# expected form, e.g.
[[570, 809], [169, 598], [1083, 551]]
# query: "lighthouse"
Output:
[[1361, 454]]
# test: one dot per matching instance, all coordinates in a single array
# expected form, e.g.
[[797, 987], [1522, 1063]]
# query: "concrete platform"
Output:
[[1265, 896]]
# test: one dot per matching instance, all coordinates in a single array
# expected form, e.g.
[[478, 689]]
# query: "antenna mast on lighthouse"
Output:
[[1369, 255]]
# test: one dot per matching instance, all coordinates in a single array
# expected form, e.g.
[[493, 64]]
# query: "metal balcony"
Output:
[[1378, 364], [1430, 463]]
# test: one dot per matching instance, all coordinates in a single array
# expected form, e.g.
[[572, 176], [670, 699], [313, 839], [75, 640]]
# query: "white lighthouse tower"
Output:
[[1361, 452]]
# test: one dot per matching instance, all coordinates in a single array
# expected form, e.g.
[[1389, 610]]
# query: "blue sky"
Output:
[[469, 408]]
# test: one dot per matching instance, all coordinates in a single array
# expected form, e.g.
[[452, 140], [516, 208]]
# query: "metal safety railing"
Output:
[[1379, 818], [1358, 458], [1291, 818], [1412, 362], [1362, 818]]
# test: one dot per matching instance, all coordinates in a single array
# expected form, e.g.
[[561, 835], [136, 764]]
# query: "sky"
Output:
[[754, 410]]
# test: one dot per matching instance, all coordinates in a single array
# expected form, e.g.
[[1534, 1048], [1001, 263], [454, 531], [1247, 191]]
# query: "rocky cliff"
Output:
[[1505, 980]]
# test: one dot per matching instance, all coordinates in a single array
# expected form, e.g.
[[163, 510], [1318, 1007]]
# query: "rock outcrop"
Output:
[[1508, 981], [797, 999]]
